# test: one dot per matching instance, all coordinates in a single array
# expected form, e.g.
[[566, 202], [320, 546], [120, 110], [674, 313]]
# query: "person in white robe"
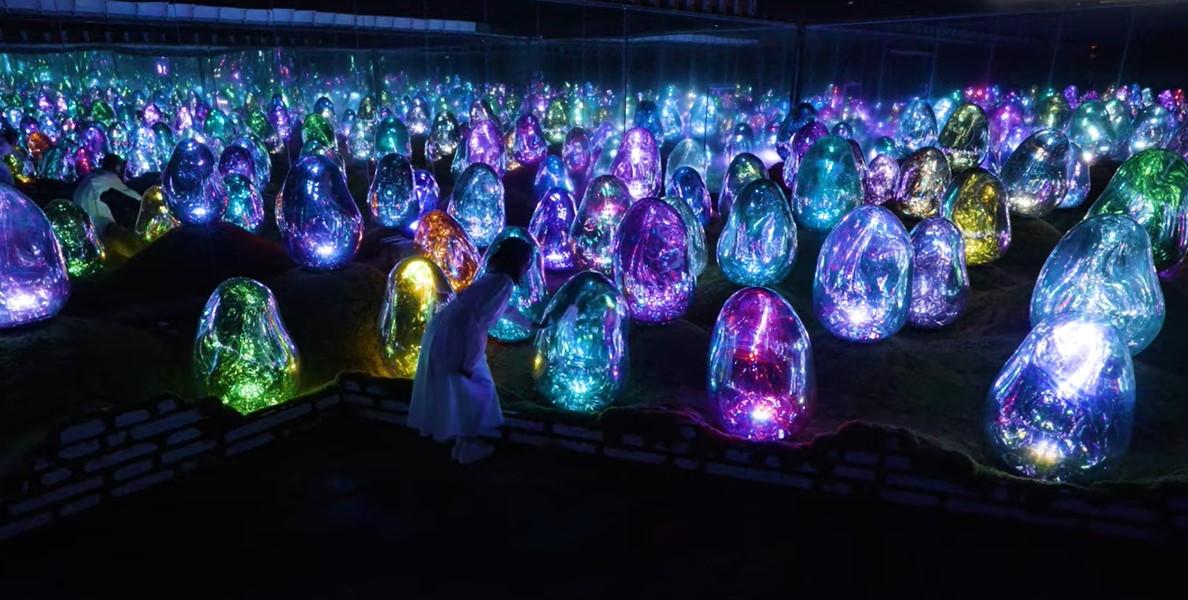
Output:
[[454, 396], [88, 194]]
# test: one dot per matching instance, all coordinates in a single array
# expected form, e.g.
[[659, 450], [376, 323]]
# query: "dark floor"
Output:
[[355, 510]]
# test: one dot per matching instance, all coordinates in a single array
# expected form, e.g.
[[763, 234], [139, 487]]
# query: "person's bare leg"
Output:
[[473, 450]]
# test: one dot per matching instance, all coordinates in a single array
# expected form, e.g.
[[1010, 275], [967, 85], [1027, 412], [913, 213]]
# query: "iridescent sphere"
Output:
[[391, 196], [1052, 112], [977, 204], [576, 153], [827, 184], [761, 380], [940, 284], [581, 357], [758, 242], [416, 290], [484, 145], [243, 354], [1090, 129], [477, 203], [528, 143], [391, 137], [440, 238], [687, 185], [637, 163], [417, 115], [923, 179], [80, 245], [916, 127], [1103, 266], [743, 169], [882, 175], [153, 220], [965, 138], [598, 216], [528, 297], [193, 189], [1063, 405], [551, 224], [651, 262], [1151, 187], [862, 288], [1077, 176], [688, 153], [551, 174], [1035, 176], [245, 207], [318, 219], [1153, 128], [444, 137]]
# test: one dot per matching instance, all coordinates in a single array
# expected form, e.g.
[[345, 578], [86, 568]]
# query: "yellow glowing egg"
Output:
[[977, 204], [416, 290], [154, 219]]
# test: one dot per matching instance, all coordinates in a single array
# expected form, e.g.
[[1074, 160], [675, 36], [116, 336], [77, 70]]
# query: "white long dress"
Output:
[[89, 192], [445, 402]]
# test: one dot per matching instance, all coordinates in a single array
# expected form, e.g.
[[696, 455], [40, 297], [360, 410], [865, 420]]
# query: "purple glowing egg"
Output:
[[34, 283], [601, 211], [805, 138], [940, 284], [577, 153], [193, 189], [882, 174], [651, 262], [637, 163], [318, 219], [551, 224], [528, 146], [484, 145]]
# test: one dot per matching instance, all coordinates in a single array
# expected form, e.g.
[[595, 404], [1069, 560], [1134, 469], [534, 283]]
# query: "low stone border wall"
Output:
[[115, 453]]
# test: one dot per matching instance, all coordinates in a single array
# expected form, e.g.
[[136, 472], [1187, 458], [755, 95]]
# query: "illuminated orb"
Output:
[[651, 262], [391, 137], [940, 284], [245, 208], [551, 174], [1077, 176], [687, 185], [743, 169], [828, 184], [193, 189], [761, 380], [862, 287], [694, 234], [317, 128], [417, 115], [243, 354], [1153, 128], [391, 197], [923, 178], [483, 145], [977, 204], [598, 216], [1152, 188], [581, 356], [882, 174], [154, 218], [805, 138], [528, 298], [477, 203], [260, 158], [551, 224], [1063, 405], [965, 138], [637, 163], [440, 238], [34, 281], [916, 127], [1035, 176], [528, 143], [416, 290], [1103, 266], [1052, 112], [444, 137], [688, 153], [576, 153], [758, 242], [1090, 129], [647, 116], [80, 245], [318, 219]]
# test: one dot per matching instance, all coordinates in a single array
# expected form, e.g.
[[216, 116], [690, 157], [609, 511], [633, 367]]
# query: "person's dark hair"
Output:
[[10, 136], [511, 259], [111, 162]]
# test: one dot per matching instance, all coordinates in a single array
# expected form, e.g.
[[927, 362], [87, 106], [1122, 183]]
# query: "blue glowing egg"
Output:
[[743, 169], [647, 116], [477, 204], [576, 153], [551, 224], [916, 127], [392, 195], [1077, 176], [828, 184], [940, 284], [695, 234], [1035, 175], [651, 262], [551, 174], [193, 189], [862, 288], [245, 207], [528, 297], [427, 192], [1090, 129], [1063, 405], [758, 242], [34, 283], [318, 219], [236, 159], [761, 380], [687, 185], [581, 356], [689, 153]]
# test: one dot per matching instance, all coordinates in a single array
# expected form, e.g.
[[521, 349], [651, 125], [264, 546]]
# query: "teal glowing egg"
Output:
[[828, 184], [687, 185], [688, 153], [1035, 176], [477, 204], [528, 297], [916, 127], [695, 234], [391, 136], [743, 169], [1090, 129], [245, 207], [758, 242]]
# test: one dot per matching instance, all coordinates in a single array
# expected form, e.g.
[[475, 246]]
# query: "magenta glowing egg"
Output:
[[551, 224], [637, 163], [528, 146], [761, 381], [484, 144], [34, 283], [651, 261]]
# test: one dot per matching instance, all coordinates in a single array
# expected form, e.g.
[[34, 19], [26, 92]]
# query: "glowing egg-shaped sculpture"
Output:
[[243, 354], [827, 184], [484, 145], [940, 284], [317, 128], [427, 192], [278, 117], [862, 288], [318, 219], [604, 159], [154, 218], [193, 188], [444, 137], [695, 234], [1120, 127], [965, 138], [391, 137], [882, 175], [361, 137], [1062, 407], [1103, 267], [916, 127], [651, 262], [552, 173], [440, 238], [416, 290], [805, 138], [1152, 187], [391, 196], [1035, 176], [637, 163], [687, 185], [1077, 176], [551, 224], [977, 204], [581, 356], [647, 116], [417, 115], [1153, 128], [528, 142], [80, 245], [259, 156], [237, 159], [576, 153], [688, 153], [743, 169], [1052, 112], [1090, 129], [528, 297], [598, 216], [761, 379], [923, 179], [758, 242], [245, 207], [477, 203], [556, 121]]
